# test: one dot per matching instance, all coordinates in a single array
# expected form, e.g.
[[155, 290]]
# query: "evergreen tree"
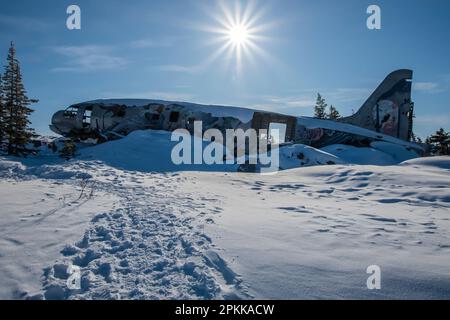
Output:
[[320, 107], [68, 150], [415, 138], [16, 111], [2, 116], [334, 114], [440, 142]]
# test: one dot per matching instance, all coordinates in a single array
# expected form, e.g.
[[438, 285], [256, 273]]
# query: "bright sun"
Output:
[[238, 32], [238, 35]]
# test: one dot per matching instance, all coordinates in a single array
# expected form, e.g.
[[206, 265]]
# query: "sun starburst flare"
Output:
[[239, 33]]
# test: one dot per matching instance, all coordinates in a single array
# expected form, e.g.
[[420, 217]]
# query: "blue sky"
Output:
[[167, 50]]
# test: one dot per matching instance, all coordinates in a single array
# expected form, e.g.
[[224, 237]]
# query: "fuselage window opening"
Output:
[[70, 113], [87, 118], [174, 116], [277, 132]]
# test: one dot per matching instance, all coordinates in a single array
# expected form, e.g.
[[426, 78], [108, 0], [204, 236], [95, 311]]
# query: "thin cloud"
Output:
[[293, 101], [152, 43], [436, 120], [88, 59], [156, 95], [428, 87], [26, 23], [303, 101], [291, 105], [346, 95], [181, 69]]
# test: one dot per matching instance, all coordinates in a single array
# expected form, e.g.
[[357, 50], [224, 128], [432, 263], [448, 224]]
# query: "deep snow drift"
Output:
[[150, 151], [144, 228]]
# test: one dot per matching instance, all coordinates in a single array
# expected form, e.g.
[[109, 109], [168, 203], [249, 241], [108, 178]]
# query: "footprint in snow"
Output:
[[295, 209]]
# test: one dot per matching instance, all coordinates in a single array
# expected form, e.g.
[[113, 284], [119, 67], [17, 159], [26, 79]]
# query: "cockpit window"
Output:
[[70, 113], [87, 118]]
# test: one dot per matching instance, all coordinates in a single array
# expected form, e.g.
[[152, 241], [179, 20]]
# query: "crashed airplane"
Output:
[[387, 116]]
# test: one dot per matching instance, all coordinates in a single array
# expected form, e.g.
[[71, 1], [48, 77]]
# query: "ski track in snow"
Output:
[[152, 247]]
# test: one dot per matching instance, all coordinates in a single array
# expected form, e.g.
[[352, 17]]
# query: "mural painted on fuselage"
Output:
[[386, 114]]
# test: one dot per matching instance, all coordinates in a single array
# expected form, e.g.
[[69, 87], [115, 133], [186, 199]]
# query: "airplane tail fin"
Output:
[[389, 109]]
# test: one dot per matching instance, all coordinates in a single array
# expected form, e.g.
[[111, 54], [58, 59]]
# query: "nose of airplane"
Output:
[[58, 116], [60, 124]]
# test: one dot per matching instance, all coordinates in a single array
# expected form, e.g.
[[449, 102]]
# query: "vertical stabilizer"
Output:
[[389, 109]]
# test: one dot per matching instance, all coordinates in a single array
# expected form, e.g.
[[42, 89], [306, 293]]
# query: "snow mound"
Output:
[[442, 162], [33, 168], [9, 167], [380, 153], [300, 155], [145, 151], [397, 152], [150, 151], [362, 156]]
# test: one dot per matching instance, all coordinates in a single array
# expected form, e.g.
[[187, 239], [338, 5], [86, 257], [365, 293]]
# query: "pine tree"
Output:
[[320, 107], [334, 113], [68, 150], [2, 116], [440, 142], [16, 111], [415, 138]]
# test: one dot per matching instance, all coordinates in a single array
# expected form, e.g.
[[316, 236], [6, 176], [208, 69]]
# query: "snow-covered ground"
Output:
[[37, 217], [312, 232], [146, 229]]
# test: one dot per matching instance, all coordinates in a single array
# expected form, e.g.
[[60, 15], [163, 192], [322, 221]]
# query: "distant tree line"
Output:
[[321, 112], [15, 132], [439, 142]]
